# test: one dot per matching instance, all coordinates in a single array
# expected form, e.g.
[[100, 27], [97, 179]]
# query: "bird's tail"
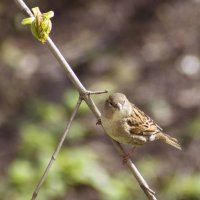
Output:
[[169, 140]]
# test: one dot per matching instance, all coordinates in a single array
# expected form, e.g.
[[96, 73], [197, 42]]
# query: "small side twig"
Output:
[[97, 92], [53, 158], [85, 95]]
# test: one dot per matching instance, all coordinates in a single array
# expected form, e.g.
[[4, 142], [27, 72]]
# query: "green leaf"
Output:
[[28, 20]]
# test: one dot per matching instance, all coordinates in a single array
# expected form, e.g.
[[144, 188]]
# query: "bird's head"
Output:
[[117, 105]]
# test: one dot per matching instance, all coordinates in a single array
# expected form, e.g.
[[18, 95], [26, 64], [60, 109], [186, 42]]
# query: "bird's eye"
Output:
[[111, 104]]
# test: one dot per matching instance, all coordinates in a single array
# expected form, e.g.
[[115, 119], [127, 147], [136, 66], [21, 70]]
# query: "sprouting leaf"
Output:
[[40, 24], [28, 20]]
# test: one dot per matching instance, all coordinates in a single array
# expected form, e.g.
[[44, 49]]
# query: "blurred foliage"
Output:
[[194, 126], [148, 49], [76, 166], [184, 187]]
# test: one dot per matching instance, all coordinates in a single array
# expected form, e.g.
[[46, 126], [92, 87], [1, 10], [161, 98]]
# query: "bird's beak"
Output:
[[119, 106]]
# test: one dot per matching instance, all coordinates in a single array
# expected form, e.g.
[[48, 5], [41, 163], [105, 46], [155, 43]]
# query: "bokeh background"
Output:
[[147, 49]]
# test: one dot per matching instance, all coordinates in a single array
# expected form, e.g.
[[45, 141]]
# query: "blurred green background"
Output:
[[147, 49]]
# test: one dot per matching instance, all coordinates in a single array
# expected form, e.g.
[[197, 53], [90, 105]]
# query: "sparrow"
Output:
[[127, 124]]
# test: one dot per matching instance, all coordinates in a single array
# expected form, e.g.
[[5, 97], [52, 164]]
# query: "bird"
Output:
[[124, 122]]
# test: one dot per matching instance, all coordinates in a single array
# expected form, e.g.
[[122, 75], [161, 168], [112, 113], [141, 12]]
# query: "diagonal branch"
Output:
[[53, 158], [86, 96], [143, 184]]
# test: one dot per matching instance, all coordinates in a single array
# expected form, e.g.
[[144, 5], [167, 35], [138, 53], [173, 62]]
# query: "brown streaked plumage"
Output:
[[127, 124]]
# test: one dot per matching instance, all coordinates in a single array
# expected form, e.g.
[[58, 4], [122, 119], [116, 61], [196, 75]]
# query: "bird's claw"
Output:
[[125, 158], [128, 155], [98, 122]]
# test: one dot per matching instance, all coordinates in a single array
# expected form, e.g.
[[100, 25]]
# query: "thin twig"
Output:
[[53, 158], [97, 92], [24, 7], [85, 95]]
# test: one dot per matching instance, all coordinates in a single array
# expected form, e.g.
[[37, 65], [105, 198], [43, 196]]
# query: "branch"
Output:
[[85, 95], [53, 158], [143, 184]]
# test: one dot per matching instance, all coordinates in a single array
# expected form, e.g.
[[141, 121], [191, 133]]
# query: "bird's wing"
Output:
[[141, 124]]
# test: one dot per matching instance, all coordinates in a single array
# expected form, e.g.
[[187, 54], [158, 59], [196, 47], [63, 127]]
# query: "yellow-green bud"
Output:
[[40, 24]]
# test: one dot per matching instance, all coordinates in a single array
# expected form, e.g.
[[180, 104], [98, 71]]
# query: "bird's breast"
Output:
[[116, 130]]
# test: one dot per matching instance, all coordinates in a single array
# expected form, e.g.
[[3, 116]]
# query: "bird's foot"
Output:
[[98, 122], [125, 158], [128, 155]]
